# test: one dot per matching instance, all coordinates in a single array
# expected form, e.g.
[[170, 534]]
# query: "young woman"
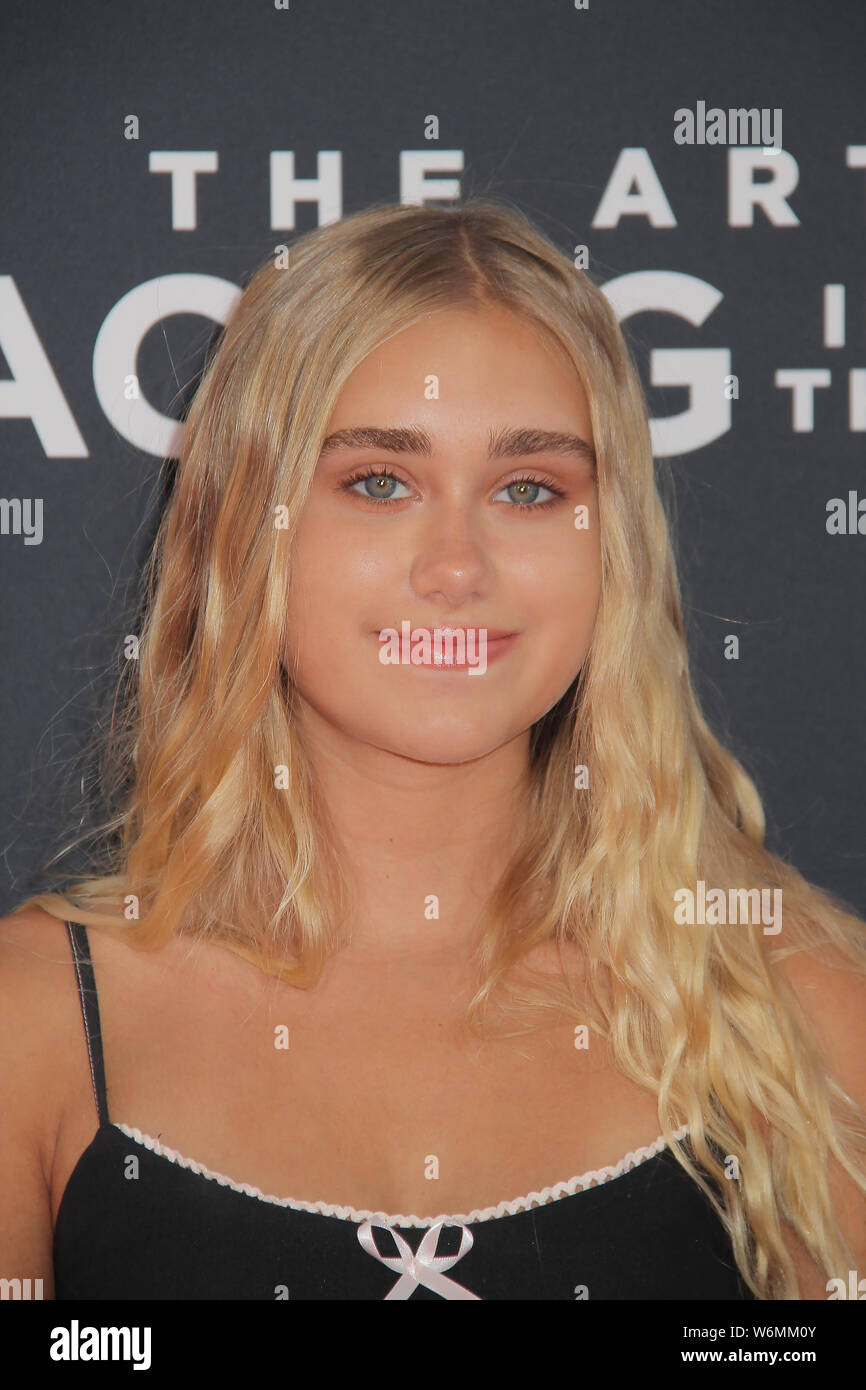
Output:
[[415, 795]]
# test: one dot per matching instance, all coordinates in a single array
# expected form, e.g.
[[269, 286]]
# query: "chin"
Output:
[[444, 757], [444, 747]]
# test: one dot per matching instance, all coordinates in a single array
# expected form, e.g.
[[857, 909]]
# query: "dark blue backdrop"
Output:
[[567, 112]]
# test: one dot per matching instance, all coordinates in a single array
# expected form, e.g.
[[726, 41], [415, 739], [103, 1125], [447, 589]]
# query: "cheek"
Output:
[[561, 589], [313, 601], [336, 592], [561, 580], [323, 572]]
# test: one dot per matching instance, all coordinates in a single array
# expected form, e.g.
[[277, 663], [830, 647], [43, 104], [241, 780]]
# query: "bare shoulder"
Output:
[[40, 1008], [35, 966], [832, 995], [38, 1003], [41, 1028], [36, 962], [37, 994]]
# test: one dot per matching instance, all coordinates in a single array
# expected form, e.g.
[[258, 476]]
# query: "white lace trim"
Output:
[[594, 1178]]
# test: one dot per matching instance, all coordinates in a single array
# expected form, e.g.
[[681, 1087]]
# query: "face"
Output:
[[441, 531]]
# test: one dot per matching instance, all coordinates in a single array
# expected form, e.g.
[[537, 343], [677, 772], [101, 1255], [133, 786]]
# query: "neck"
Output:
[[421, 844]]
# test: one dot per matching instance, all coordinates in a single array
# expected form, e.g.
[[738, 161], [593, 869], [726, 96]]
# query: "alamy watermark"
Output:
[[714, 907], [855, 1287], [23, 1289], [22, 516], [736, 126], [77, 1343], [438, 646]]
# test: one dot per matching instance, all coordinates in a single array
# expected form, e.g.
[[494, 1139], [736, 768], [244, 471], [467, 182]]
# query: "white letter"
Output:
[[634, 166], [855, 156], [702, 369], [744, 194], [834, 315], [183, 165], [803, 382], [857, 398], [33, 393], [115, 351], [416, 188], [326, 190]]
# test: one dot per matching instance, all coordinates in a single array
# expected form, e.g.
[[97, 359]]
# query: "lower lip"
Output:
[[497, 648]]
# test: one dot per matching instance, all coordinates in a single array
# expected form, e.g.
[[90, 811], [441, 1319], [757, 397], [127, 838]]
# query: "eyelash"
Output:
[[374, 472]]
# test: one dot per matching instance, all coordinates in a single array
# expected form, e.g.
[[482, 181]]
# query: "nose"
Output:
[[451, 564]]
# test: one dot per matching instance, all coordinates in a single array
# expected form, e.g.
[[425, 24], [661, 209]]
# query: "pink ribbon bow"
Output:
[[424, 1266]]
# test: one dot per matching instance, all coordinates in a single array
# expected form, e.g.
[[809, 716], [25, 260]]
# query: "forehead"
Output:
[[471, 363]]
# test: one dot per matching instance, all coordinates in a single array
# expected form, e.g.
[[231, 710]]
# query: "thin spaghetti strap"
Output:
[[90, 1013]]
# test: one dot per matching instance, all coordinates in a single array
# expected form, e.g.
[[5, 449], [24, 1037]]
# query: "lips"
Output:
[[444, 648]]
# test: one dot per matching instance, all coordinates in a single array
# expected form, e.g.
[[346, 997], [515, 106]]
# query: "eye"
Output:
[[376, 485], [379, 485], [523, 493]]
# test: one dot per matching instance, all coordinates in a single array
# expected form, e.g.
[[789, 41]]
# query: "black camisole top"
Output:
[[140, 1221]]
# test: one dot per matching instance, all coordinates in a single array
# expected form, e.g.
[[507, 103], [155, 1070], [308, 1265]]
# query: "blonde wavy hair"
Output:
[[199, 844]]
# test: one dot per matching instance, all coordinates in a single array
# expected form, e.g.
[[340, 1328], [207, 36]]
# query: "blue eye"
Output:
[[376, 485], [527, 492], [523, 494], [379, 485]]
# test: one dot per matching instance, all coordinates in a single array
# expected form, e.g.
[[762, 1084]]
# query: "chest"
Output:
[[376, 1097], [386, 1109]]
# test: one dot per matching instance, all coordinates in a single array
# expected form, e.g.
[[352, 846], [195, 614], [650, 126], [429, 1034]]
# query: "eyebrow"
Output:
[[503, 443]]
